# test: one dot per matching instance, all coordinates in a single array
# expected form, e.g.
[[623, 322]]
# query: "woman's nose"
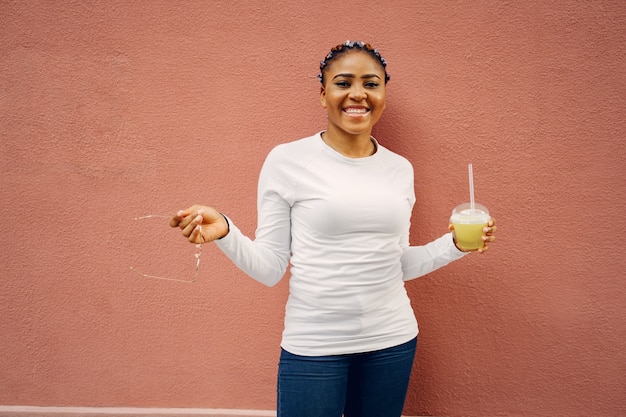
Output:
[[357, 93]]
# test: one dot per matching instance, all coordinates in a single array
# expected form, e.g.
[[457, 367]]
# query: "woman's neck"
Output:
[[357, 146]]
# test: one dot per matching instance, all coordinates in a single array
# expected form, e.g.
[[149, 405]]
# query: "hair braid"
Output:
[[348, 46]]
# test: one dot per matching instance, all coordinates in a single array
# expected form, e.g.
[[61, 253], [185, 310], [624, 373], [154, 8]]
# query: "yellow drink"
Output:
[[468, 225], [469, 236]]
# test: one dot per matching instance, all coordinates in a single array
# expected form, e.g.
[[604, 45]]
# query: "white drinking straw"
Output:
[[471, 185]]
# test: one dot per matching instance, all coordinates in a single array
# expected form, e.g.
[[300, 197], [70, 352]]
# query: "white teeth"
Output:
[[355, 111]]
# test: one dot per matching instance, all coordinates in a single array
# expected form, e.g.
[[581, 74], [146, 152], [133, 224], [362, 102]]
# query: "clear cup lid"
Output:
[[464, 213]]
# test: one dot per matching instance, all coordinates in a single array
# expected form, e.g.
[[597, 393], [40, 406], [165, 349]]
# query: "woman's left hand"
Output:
[[489, 235]]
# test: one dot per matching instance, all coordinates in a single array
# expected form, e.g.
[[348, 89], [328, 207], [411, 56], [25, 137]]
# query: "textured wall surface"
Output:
[[112, 110]]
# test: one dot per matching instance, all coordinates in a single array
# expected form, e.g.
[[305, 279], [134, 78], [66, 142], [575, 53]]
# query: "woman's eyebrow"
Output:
[[364, 76]]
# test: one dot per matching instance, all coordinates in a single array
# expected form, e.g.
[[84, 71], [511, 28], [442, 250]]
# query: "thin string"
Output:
[[197, 255], [152, 216], [163, 278]]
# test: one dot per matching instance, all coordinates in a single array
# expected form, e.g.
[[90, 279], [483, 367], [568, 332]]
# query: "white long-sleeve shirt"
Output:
[[343, 224]]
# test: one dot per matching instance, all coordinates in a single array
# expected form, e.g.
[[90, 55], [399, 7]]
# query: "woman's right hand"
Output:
[[200, 224]]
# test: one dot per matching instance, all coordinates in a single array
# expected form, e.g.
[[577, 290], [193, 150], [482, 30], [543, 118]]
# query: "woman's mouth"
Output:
[[356, 111]]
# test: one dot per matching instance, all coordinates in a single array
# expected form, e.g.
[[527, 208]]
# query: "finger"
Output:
[[177, 218], [190, 218], [489, 230], [450, 227], [196, 235], [191, 225]]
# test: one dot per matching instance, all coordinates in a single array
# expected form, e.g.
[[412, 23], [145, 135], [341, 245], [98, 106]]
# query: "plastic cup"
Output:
[[468, 225]]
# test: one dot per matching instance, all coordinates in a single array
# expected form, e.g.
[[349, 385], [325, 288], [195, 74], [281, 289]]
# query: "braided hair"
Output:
[[349, 46]]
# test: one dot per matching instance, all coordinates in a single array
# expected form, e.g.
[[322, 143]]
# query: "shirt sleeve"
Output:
[[266, 257], [421, 260]]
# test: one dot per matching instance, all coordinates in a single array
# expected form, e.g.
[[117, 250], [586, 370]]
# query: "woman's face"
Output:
[[353, 93]]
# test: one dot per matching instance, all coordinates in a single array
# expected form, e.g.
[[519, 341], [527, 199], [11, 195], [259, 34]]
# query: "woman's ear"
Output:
[[323, 97]]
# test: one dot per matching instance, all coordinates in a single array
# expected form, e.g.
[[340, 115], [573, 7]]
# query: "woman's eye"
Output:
[[371, 85], [342, 84]]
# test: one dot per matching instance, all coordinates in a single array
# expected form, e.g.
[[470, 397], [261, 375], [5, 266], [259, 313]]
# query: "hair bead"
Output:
[[347, 46]]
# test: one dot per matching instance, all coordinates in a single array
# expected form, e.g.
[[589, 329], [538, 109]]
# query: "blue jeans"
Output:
[[371, 384]]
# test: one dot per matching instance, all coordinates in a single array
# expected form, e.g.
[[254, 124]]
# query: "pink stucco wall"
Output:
[[113, 109]]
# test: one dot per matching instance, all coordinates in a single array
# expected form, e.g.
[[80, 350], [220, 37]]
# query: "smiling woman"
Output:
[[354, 97], [336, 206], [353, 77]]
